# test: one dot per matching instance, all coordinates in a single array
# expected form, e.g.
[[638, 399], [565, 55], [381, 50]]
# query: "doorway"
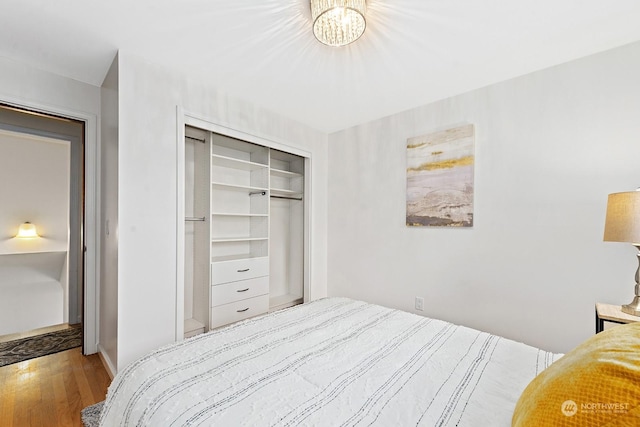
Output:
[[59, 143]]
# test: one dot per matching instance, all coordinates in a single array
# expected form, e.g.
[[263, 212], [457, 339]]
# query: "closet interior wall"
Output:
[[286, 242], [196, 238]]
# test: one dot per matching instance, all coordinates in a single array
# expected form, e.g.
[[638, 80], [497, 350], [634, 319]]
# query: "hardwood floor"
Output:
[[50, 391]]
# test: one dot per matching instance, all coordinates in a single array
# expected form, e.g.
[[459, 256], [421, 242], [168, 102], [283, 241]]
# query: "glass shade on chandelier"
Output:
[[338, 22]]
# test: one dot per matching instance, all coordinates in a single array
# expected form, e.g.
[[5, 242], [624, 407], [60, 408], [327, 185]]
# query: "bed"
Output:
[[330, 362]]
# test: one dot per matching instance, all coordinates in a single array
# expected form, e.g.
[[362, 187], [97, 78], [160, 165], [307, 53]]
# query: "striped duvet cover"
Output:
[[332, 362]]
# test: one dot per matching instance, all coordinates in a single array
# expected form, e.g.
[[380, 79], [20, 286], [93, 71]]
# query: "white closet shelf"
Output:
[[237, 239], [235, 257], [285, 174], [235, 187], [285, 193], [230, 162], [249, 215]]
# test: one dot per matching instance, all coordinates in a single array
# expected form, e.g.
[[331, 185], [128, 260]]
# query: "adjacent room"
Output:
[[323, 212], [41, 277]]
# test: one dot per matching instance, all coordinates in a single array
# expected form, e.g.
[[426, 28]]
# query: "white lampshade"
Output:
[[623, 218], [27, 231], [338, 22]]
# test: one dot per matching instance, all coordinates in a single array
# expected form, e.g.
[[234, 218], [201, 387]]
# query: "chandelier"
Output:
[[338, 22]]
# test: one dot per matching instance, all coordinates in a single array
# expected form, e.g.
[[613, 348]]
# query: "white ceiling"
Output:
[[413, 52]]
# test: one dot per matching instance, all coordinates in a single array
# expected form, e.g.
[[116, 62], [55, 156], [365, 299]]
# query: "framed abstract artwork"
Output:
[[440, 178]]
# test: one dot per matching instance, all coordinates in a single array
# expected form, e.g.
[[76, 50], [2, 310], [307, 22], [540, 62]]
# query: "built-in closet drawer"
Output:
[[241, 269], [239, 310], [236, 291]]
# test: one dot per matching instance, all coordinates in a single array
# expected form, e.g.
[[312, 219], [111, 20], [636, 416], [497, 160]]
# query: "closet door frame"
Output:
[[185, 118]]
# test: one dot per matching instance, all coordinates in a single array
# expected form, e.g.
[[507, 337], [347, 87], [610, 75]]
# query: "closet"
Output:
[[244, 230]]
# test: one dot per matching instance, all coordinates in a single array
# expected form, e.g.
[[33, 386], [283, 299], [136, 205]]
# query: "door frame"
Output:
[[90, 233]]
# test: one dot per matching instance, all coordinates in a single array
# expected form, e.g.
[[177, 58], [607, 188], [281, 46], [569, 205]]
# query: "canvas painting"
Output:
[[440, 178]]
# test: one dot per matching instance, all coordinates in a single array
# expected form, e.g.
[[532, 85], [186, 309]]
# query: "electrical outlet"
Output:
[[419, 303]]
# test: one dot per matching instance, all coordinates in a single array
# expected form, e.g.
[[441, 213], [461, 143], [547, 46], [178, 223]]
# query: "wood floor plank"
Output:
[[97, 376], [23, 393], [86, 395], [47, 397], [35, 397], [74, 400], [51, 390], [62, 413], [7, 396]]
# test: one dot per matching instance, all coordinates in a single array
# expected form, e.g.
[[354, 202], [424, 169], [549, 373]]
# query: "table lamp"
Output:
[[623, 225]]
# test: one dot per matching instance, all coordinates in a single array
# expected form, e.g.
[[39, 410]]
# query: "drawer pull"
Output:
[[242, 290], [243, 271], [242, 311]]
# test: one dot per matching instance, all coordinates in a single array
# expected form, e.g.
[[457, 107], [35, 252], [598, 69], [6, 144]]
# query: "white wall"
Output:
[[550, 146], [147, 198], [31, 290], [26, 85], [34, 187]]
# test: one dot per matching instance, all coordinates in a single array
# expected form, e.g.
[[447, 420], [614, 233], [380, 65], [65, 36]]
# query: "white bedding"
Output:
[[331, 362]]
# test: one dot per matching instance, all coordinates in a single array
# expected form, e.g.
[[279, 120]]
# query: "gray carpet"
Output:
[[91, 414], [40, 345]]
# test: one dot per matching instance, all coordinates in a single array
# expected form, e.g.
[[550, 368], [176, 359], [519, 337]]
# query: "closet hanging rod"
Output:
[[195, 139], [287, 198], [262, 193], [195, 218]]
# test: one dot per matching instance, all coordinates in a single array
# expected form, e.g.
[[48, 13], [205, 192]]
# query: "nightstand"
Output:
[[613, 314]]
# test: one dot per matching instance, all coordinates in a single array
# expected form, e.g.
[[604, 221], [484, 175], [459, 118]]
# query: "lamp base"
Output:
[[632, 308]]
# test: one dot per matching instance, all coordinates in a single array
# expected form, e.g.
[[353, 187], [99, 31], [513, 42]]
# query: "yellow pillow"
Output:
[[595, 384]]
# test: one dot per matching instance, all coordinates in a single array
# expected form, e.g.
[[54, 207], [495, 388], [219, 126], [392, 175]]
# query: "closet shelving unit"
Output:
[[239, 202], [239, 230], [251, 241]]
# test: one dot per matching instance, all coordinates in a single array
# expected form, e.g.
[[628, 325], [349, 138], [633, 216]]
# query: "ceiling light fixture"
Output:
[[338, 22]]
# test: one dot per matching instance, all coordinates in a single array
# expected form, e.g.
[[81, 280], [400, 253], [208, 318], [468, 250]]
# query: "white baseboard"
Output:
[[106, 361]]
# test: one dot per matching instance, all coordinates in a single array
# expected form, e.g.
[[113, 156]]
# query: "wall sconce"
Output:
[[27, 231]]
